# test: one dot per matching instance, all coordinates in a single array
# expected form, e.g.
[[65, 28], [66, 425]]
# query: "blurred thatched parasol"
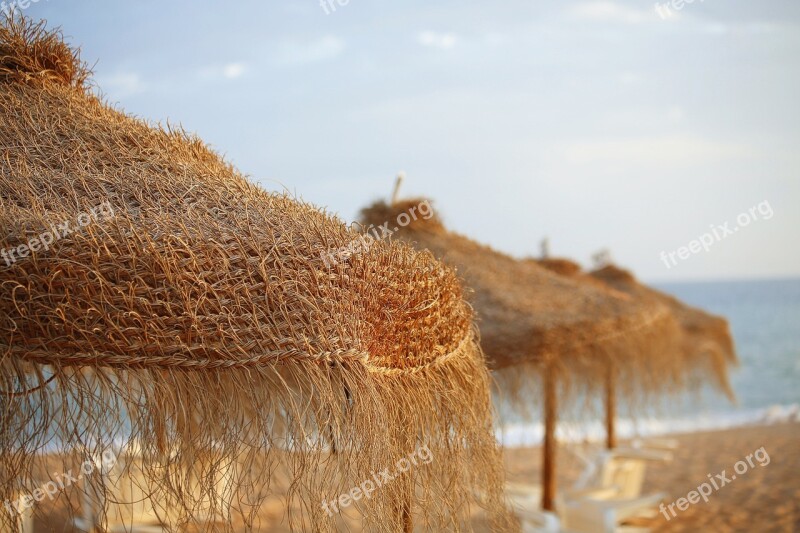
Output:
[[191, 313], [704, 347], [706, 343], [536, 324]]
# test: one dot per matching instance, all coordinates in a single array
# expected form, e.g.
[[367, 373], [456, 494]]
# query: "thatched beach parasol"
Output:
[[539, 327], [155, 297], [704, 346], [706, 343]]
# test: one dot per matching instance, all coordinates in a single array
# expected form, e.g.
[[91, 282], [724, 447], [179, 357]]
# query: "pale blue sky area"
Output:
[[594, 123]]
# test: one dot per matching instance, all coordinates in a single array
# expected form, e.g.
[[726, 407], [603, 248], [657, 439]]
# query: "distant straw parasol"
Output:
[[156, 297], [706, 345], [535, 323], [704, 348]]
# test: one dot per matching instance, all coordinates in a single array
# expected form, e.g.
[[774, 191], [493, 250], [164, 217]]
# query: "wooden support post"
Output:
[[396, 191], [408, 523], [405, 483], [549, 449], [611, 408]]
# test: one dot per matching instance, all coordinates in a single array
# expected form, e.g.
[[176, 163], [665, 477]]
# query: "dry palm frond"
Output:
[[197, 322]]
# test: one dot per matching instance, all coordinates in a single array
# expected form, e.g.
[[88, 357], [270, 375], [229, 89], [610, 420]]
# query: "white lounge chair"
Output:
[[538, 521], [526, 501], [669, 445], [601, 513], [617, 494], [587, 511], [623, 469]]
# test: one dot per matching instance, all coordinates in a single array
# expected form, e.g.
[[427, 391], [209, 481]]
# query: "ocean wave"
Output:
[[523, 435]]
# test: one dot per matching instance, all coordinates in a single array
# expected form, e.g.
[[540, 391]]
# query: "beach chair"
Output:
[[616, 495], [525, 501], [538, 521], [24, 520], [622, 469], [602, 513], [588, 511], [668, 445]]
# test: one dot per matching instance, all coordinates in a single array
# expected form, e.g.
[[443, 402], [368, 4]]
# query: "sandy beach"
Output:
[[763, 499]]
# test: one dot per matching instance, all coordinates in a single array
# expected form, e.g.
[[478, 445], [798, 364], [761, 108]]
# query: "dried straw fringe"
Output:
[[315, 450], [201, 326]]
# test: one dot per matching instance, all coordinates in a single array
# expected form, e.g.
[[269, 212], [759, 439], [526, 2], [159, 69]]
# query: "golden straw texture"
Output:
[[529, 316], [193, 319]]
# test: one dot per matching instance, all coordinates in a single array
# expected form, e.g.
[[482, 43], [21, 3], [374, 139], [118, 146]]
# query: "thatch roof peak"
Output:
[[30, 54], [560, 265], [381, 212], [613, 273]]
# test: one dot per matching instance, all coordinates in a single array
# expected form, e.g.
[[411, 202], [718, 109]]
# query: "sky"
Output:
[[621, 125]]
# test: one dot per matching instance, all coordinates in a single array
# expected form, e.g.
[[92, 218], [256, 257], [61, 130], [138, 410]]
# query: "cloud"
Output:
[[121, 84], [606, 11], [676, 114], [746, 28], [294, 53], [233, 70], [495, 39], [228, 71], [665, 150], [630, 78], [437, 40]]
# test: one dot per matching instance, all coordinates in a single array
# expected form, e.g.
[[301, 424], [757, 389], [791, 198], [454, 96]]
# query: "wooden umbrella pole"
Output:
[[611, 408], [549, 450], [406, 485], [406, 500], [408, 523], [396, 191]]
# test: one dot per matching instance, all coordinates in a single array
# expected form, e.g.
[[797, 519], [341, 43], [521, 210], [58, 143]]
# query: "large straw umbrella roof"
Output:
[[193, 312], [706, 342]]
